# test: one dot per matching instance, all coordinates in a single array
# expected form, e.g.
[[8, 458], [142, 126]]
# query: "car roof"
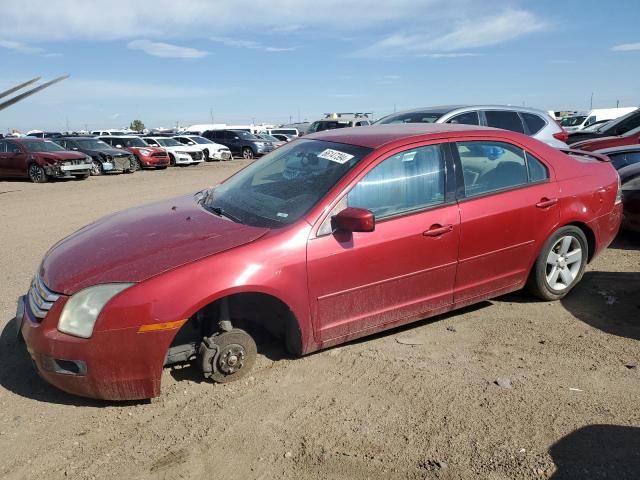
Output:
[[444, 109], [77, 137], [615, 150], [374, 136]]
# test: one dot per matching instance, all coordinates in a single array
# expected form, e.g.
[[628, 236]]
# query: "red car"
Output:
[[146, 155], [632, 137], [40, 160], [329, 238]]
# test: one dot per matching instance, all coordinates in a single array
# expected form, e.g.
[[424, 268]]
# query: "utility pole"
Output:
[[617, 103], [591, 104], [211, 113]]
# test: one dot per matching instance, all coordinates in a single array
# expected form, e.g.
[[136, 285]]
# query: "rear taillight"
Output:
[[619, 192], [562, 135]]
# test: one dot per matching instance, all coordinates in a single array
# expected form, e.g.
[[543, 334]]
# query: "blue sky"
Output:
[[168, 61]]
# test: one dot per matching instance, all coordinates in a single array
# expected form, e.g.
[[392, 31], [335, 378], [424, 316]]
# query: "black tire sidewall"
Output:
[[44, 178], [539, 283]]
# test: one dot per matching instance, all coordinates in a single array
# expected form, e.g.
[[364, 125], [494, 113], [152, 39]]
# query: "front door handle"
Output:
[[546, 202], [436, 230]]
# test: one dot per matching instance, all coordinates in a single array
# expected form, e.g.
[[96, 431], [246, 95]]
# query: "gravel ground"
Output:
[[510, 388]]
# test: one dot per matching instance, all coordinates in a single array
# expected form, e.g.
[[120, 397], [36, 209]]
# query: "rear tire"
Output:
[[37, 174], [247, 153], [560, 265]]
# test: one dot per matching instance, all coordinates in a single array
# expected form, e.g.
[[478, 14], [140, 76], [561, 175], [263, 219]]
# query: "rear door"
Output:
[[405, 267], [508, 207]]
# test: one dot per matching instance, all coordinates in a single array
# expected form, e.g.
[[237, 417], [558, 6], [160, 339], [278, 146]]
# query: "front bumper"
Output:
[[62, 170], [153, 162], [111, 365], [220, 155]]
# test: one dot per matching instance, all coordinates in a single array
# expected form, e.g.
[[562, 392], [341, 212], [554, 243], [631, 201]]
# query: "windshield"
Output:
[[285, 131], [245, 135], [93, 144], [572, 121], [268, 137], [132, 142], [321, 125], [412, 117], [283, 186], [199, 139], [39, 146], [168, 142]]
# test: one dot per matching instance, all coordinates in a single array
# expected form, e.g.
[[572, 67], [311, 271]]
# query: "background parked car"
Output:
[[44, 134], [270, 138], [39, 160], [179, 154], [627, 161], [240, 142], [632, 137], [105, 158], [613, 128], [333, 121], [283, 137], [293, 132], [532, 122], [212, 151], [102, 133], [580, 122], [145, 155]]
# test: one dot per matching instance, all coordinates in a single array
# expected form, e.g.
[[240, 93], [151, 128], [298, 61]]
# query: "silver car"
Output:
[[530, 121]]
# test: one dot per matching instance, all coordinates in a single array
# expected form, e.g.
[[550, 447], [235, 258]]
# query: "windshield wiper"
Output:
[[222, 213]]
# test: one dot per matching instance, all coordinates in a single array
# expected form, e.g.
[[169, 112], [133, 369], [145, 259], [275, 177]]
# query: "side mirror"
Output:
[[118, 146], [354, 220], [74, 148]]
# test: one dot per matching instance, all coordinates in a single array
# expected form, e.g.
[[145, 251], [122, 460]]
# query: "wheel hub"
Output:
[[231, 358]]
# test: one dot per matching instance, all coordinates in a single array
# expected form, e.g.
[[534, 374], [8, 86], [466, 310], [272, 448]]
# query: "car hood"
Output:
[[139, 243], [56, 156]]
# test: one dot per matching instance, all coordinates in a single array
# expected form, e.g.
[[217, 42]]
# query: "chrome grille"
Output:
[[41, 299]]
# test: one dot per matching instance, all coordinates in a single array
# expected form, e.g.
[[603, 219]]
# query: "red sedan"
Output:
[[632, 137], [329, 238]]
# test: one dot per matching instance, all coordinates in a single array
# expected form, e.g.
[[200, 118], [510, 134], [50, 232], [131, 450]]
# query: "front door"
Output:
[[402, 270], [14, 160], [510, 207]]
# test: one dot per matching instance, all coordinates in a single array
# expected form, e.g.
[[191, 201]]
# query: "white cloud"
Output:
[[166, 50], [450, 55], [469, 33], [250, 44], [626, 47], [20, 47]]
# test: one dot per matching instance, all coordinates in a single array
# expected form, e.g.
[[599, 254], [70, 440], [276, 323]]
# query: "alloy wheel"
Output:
[[247, 153], [563, 263]]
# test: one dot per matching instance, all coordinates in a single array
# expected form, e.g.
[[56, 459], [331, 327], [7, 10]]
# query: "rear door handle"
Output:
[[546, 202], [436, 230]]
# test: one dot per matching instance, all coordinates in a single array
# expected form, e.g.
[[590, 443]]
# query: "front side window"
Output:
[[507, 120], [283, 186], [491, 166], [168, 142], [407, 181], [467, 118]]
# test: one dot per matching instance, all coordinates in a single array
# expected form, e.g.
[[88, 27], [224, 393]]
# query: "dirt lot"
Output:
[[418, 402]]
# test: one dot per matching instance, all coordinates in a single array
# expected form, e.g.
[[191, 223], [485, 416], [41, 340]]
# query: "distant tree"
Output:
[[137, 126]]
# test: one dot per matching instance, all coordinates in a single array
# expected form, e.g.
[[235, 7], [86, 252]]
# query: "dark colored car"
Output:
[[39, 160], [240, 143], [627, 161], [145, 155], [327, 239], [632, 137], [613, 128], [105, 158]]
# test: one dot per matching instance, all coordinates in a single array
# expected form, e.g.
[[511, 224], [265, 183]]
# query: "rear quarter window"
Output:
[[534, 122], [507, 120]]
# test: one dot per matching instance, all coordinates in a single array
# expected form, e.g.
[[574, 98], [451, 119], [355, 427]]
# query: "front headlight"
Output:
[[80, 313], [144, 152], [88, 159], [183, 153]]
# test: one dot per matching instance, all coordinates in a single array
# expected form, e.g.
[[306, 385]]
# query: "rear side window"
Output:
[[491, 166], [534, 122], [407, 181], [504, 119], [622, 160], [468, 118], [537, 171]]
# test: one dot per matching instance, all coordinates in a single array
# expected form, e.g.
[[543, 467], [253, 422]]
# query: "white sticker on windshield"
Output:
[[335, 156]]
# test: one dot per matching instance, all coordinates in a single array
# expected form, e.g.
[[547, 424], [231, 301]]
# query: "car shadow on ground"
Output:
[[608, 301], [626, 240], [18, 375], [598, 452]]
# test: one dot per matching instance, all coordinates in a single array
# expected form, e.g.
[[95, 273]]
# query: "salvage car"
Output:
[[530, 121], [632, 137], [212, 151], [104, 158], [40, 160], [329, 238], [240, 142], [613, 128], [179, 154], [145, 155]]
